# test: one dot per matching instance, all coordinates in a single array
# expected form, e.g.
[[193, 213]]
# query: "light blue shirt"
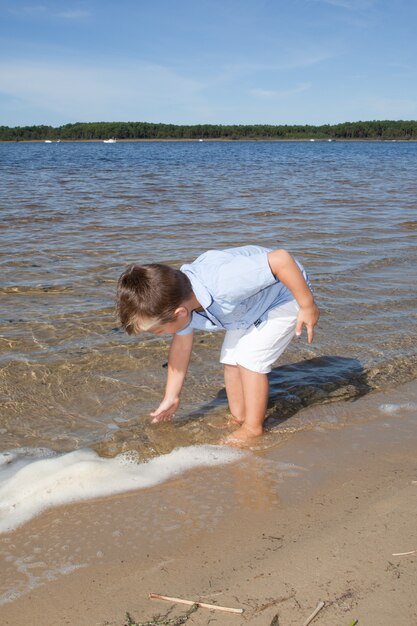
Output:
[[235, 287]]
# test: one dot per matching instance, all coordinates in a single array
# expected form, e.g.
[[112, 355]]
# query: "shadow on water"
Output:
[[313, 381]]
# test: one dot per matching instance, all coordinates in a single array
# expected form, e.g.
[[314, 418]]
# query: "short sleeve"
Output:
[[187, 330]]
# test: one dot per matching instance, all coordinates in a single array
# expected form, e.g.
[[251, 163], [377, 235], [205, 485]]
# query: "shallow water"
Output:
[[73, 215]]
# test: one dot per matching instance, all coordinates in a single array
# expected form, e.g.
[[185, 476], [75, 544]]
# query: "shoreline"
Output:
[[317, 517]]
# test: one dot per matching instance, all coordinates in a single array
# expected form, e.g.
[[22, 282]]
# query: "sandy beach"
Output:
[[317, 518]]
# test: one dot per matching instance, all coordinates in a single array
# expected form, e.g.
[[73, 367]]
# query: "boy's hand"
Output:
[[165, 410], [308, 316]]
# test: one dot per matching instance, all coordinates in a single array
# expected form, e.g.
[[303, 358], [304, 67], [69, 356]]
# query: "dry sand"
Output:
[[315, 518]]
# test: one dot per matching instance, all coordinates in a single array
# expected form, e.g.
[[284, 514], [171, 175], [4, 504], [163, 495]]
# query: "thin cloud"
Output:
[[351, 5], [46, 11], [278, 94], [36, 9], [299, 61], [402, 66], [91, 92], [289, 61], [73, 15]]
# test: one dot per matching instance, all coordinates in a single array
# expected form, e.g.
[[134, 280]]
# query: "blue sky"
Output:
[[207, 61]]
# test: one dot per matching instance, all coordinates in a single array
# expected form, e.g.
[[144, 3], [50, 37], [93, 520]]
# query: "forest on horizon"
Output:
[[95, 131]]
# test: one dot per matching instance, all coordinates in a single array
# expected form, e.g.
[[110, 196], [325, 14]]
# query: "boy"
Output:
[[260, 297]]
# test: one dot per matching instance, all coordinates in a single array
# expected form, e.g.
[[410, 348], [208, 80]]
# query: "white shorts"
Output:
[[258, 348]]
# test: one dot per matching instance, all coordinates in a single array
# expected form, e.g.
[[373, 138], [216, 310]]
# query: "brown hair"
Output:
[[148, 295]]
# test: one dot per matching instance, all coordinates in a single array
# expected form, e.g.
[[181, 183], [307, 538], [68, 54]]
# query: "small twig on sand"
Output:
[[157, 596], [404, 553], [355, 621], [313, 615]]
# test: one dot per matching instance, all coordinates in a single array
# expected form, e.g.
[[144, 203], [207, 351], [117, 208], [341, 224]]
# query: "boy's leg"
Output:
[[253, 352], [234, 391], [255, 389], [247, 393], [255, 392]]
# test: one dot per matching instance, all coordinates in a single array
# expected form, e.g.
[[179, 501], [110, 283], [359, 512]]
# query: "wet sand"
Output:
[[315, 517]]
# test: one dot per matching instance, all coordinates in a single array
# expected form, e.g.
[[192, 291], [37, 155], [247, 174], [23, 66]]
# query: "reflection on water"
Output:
[[73, 215]]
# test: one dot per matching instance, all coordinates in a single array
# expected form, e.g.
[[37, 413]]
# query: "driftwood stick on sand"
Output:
[[314, 613], [157, 596], [404, 553]]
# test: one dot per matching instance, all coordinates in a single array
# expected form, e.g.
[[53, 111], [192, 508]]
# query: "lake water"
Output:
[[73, 215]]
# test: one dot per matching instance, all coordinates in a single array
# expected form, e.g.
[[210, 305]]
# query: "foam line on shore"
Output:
[[392, 408], [33, 480]]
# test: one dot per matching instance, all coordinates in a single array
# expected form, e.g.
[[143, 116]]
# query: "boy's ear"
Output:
[[181, 312]]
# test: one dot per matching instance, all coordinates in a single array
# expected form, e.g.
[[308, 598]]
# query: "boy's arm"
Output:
[[287, 271], [178, 360]]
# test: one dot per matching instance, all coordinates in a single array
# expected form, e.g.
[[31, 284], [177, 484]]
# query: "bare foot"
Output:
[[241, 437]]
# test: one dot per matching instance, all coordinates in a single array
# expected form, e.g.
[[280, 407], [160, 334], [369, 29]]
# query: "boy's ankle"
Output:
[[253, 430]]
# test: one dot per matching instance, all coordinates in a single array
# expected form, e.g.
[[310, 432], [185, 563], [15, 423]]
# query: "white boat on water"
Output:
[[109, 140], [48, 141]]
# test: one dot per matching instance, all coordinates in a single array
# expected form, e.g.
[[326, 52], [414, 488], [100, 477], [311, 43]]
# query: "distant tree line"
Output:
[[88, 131]]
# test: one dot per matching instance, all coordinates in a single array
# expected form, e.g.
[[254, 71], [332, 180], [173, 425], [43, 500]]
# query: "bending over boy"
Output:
[[260, 297]]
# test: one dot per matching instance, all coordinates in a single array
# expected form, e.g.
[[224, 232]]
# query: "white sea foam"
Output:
[[395, 408], [34, 480]]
